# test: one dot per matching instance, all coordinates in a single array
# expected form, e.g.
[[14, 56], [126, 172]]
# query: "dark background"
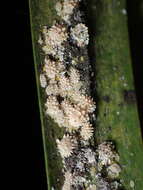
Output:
[[30, 166], [31, 151], [135, 25]]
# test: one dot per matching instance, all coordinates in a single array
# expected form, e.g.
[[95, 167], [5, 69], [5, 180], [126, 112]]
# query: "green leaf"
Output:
[[42, 13], [117, 116]]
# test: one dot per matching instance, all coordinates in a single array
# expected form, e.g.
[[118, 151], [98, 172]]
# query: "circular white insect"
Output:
[[132, 184], [65, 9], [80, 35], [114, 170], [65, 146], [86, 131]]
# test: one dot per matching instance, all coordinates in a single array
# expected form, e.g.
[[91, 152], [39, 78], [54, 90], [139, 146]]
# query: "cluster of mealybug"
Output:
[[65, 77]]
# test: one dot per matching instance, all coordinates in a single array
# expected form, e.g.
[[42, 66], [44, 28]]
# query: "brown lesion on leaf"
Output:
[[129, 96]]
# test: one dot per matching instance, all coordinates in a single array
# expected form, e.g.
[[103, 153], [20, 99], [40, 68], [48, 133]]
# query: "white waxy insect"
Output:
[[65, 146], [114, 170], [132, 184], [68, 181], [80, 35], [86, 132], [43, 81]]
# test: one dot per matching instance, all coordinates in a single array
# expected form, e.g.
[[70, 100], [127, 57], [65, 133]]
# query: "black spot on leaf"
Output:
[[129, 96], [106, 98]]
